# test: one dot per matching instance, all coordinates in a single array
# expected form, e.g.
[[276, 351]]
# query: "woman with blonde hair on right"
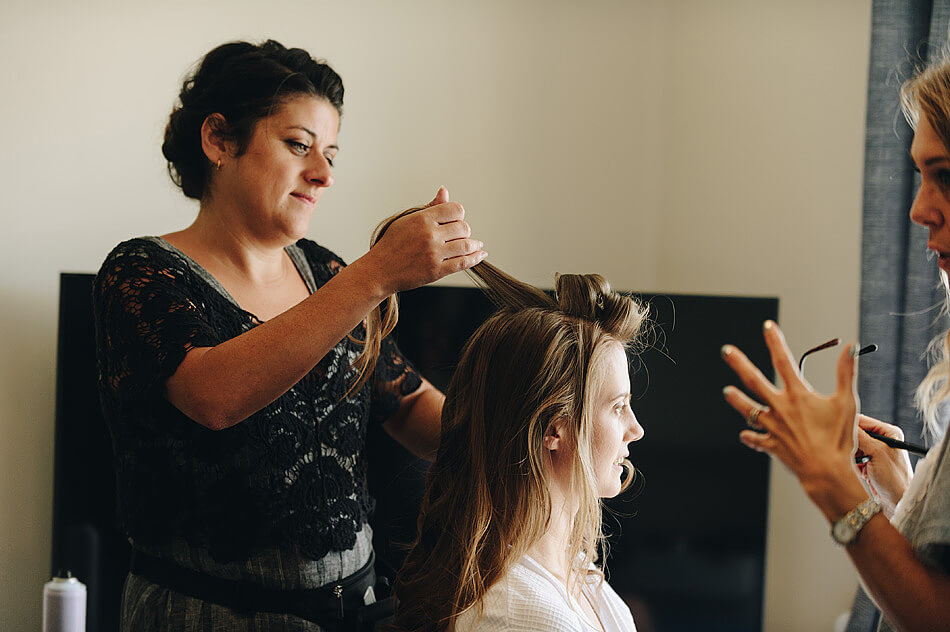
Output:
[[535, 430], [893, 522]]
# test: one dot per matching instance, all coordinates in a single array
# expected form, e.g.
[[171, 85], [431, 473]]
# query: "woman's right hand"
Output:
[[887, 474], [425, 246]]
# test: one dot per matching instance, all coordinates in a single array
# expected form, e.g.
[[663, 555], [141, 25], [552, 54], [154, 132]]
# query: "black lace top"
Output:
[[292, 474]]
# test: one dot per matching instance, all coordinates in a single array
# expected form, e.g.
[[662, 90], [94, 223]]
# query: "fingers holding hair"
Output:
[[468, 254], [450, 231], [441, 197], [446, 212]]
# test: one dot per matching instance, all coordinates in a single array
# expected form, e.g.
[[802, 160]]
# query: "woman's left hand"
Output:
[[812, 434], [886, 472]]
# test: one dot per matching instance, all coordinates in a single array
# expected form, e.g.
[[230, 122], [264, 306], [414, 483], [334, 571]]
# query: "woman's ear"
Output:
[[554, 434], [213, 142]]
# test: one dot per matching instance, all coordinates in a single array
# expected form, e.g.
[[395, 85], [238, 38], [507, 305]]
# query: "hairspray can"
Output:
[[64, 604]]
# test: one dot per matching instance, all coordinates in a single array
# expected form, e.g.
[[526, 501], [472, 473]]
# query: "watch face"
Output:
[[842, 532]]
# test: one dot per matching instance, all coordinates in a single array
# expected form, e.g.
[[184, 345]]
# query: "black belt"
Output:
[[335, 606]]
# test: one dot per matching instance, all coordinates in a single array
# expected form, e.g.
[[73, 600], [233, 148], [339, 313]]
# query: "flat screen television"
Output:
[[687, 543]]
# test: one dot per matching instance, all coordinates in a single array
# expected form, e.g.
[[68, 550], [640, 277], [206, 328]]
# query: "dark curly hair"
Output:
[[242, 82]]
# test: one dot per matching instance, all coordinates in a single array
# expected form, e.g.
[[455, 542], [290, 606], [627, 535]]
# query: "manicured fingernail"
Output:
[[855, 349], [725, 350], [767, 325], [726, 391]]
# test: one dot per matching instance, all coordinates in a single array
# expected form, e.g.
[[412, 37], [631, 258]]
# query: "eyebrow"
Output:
[[312, 134]]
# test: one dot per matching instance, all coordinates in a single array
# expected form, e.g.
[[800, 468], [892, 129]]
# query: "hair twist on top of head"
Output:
[[586, 297], [539, 358], [242, 83], [583, 296]]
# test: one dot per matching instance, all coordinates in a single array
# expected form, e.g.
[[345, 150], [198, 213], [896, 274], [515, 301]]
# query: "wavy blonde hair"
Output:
[[537, 359], [928, 94]]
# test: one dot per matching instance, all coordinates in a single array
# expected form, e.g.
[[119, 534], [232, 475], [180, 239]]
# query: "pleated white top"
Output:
[[531, 598]]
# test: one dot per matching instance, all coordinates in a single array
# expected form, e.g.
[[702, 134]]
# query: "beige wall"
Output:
[[762, 174], [673, 146]]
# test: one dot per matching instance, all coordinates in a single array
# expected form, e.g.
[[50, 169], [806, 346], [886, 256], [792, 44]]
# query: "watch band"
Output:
[[846, 529]]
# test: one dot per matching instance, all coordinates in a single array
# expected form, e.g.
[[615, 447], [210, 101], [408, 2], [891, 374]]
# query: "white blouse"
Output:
[[529, 597]]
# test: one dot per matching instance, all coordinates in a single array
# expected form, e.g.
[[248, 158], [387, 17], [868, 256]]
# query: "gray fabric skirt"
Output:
[[148, 607]]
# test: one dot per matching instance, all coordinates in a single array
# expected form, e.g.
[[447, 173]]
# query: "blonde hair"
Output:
[[487, 501], [928, 94]]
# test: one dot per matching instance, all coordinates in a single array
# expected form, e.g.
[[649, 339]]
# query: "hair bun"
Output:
[[581, 295], [590, 297]]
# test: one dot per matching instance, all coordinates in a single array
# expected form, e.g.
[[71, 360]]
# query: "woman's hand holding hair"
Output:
[[887, 474], [424, 246], [812, 434]]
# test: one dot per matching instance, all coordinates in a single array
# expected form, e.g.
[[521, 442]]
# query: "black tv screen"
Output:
[[687, 543]]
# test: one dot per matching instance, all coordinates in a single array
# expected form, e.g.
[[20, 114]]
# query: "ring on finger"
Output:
[[752, 419]]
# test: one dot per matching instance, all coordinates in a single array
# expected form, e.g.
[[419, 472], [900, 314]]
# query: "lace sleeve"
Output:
[[394, 378], [149, 314]]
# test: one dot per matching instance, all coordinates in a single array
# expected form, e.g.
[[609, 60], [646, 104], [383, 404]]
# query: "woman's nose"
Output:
[[320, 172], [923, 210], [634, 429]]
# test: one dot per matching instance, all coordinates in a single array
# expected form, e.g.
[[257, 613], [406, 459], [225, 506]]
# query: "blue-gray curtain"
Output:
[[900, 293]]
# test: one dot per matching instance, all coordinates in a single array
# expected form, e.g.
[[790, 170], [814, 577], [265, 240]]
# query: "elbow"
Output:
[[217, 422], [211, 414], [217, 418]]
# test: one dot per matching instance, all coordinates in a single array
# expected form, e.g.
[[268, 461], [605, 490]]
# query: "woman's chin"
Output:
[[611, 489]]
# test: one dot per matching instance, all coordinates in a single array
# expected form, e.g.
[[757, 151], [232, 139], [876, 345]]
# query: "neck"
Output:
[[233, 246], [551, 549]]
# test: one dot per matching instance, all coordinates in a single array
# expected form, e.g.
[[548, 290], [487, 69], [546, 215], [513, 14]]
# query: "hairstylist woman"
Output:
[[904, 562], [233, 370]]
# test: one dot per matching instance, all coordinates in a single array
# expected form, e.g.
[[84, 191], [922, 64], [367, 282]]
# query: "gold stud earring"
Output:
[[218, 165]]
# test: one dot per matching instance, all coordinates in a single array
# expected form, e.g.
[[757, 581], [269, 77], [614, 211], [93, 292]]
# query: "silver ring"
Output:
[[753, 416]]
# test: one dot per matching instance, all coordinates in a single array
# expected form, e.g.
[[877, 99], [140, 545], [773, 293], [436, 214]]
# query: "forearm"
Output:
[[911, 595], [223, 385], [418, 422]]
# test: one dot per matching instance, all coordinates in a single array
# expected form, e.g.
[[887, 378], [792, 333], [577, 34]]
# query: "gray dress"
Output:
[[148, 607], [923, 514], [279, 500]]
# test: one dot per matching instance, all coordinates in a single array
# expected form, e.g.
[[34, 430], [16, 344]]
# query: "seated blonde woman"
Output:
[[535, 430]]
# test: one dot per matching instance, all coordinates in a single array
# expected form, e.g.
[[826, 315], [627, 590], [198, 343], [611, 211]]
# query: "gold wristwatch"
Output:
[[846, 529]]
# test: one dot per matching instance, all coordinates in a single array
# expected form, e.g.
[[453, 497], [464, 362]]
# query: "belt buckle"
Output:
[[318, 605]]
